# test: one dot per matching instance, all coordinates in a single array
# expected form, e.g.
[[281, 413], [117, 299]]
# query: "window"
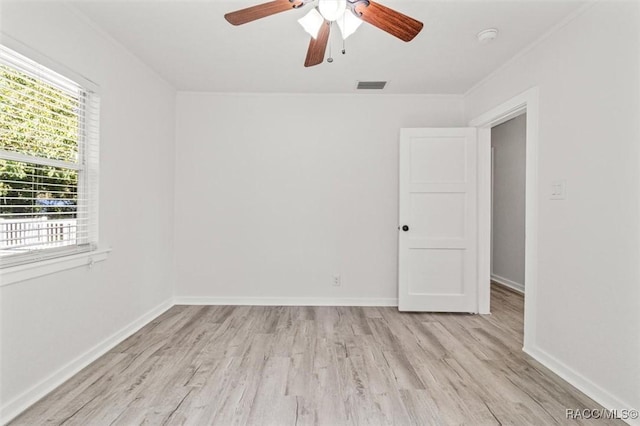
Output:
[[48, 163]]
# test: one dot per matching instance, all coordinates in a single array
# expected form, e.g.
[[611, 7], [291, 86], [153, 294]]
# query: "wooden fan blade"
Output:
[[252, 13], [317, 46], [395, 23]]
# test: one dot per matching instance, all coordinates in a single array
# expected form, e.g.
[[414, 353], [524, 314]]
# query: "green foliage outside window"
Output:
[[37, 119]]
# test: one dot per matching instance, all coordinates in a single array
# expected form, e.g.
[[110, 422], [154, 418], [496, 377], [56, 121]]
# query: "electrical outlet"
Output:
[[336, 280]]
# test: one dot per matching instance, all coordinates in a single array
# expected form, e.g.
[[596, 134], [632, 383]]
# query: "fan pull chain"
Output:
[[344, 41], [330, 59]]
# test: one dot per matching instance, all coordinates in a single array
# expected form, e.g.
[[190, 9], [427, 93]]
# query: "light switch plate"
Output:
[[558, 190]]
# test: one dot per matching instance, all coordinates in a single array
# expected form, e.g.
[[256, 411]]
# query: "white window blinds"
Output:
[[48, 162]]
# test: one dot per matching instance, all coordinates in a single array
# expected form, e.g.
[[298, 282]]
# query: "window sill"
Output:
[[16, 274]]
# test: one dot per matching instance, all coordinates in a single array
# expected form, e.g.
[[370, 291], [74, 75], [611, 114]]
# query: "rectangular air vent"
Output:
[[371, 85]]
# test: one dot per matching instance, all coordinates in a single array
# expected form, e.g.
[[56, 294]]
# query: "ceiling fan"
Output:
[[348, 14]]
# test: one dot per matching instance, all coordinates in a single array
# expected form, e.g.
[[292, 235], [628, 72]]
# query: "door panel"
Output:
[[437, 259]]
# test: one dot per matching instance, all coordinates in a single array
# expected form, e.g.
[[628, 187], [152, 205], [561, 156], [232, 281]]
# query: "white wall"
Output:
[[49, 321], [275, 193], [508, 143], [588, 290]]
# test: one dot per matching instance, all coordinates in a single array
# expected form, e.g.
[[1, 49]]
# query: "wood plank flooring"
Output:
[[251, 365]]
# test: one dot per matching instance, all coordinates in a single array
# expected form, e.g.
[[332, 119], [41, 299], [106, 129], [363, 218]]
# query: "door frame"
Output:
[[526, 102]]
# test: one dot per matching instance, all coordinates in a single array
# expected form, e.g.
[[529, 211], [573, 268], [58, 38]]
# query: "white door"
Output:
[[438, 220]]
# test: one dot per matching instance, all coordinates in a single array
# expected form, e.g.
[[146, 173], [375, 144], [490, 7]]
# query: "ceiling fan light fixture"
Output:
[[348, 24], [319, 20], [311, 22], [331, 10]]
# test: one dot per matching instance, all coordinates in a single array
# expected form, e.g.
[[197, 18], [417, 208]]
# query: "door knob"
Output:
[[405, 228]]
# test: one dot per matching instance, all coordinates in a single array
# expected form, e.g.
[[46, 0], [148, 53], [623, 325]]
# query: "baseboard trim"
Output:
[[286, 301], [508, 283], [13, 408], [584, 385]]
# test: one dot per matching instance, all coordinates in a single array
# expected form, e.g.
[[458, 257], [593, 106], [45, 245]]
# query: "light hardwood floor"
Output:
[[236, 365]]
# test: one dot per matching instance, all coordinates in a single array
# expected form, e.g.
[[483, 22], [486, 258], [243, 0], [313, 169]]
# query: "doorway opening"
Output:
[[508, 190], [525, 105]]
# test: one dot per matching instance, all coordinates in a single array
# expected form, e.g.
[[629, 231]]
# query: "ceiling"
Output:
[[191, 45]]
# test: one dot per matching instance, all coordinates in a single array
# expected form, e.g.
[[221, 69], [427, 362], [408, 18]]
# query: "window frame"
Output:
[[50, 260]]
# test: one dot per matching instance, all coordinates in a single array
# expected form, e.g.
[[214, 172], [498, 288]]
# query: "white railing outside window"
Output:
[[38, 233]]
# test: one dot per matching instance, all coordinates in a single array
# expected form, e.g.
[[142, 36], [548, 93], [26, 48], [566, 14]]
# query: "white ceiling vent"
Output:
[[371, 85]]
